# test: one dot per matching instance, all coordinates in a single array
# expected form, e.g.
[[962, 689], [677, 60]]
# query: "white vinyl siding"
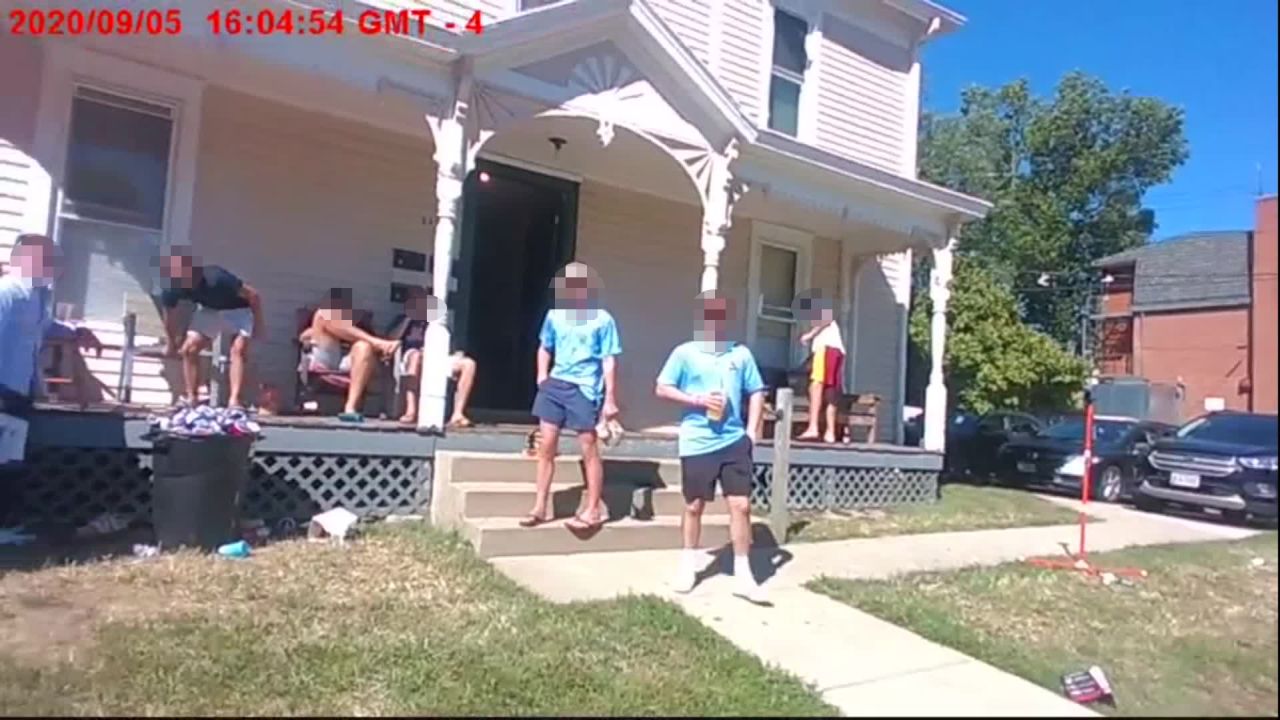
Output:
[[24, 196], [741, 52], [862, 102], [878, 347], [295, 203], [690, 20], [646, 250]]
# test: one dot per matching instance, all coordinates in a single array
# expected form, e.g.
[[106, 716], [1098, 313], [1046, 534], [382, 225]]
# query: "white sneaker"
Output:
[[750, 591], [684, 581]]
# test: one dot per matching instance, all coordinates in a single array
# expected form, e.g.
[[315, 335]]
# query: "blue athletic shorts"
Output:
[[562, 404]]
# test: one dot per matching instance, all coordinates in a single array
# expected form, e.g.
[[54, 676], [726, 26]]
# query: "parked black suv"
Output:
[[1223, 460]]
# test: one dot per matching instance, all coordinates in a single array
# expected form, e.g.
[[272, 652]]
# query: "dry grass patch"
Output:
[[1197, 637], [404, 621]]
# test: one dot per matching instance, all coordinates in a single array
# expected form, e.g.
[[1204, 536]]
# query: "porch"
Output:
[[83, 463], [382, 164]]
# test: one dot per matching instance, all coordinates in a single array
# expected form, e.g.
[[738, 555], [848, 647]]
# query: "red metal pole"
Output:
[[1087, 479]]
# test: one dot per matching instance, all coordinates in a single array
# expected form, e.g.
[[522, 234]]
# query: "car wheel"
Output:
[[1109, 485], [1146, 503]]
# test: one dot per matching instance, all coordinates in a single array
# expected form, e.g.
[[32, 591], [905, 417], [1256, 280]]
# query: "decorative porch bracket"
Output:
[[935, 397], [720, 194], [451, 132]]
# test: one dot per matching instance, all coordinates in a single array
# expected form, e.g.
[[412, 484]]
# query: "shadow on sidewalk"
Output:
[[766, 557]]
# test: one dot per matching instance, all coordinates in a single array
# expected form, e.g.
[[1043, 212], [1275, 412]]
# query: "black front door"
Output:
[[518, 230]]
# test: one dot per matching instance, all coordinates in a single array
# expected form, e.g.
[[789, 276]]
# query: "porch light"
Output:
[[484, 177]]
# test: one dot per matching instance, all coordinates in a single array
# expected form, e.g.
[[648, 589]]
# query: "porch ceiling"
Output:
[[644, 41], [534, 62]]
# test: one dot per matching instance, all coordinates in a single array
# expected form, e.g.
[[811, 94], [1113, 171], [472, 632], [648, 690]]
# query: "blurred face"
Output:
[[576, 290], [37, 260], [812, 308], [713, 318], [340, 299], [180, 269], [576, 286], [417, 305]]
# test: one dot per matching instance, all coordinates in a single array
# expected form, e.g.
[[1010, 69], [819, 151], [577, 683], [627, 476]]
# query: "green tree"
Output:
[[993, 359], [1066, 176]]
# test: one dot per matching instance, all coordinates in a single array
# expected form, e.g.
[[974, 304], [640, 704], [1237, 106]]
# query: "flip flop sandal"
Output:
[[578, 524], [531, 443], [352, 417], [532, 521]]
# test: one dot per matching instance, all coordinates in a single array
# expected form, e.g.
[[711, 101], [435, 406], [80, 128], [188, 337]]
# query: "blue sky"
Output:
[[1216, 60]]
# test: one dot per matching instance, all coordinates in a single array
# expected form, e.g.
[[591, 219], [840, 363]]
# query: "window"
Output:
[[778, 270], [787, 76], [1238, 429], [117, 159]]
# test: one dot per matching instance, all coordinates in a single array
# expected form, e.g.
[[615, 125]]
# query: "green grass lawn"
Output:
[[962, 507], [404, 621], [1197, 637]]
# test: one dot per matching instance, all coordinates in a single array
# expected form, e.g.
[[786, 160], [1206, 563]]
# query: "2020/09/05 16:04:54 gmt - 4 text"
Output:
[[39, 22]]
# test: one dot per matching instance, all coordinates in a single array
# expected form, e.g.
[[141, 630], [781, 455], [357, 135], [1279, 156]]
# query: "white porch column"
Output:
[[452, 153], [935, 397], [722, 192]]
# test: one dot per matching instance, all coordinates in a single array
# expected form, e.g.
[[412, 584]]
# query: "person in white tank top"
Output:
[[825, 375]]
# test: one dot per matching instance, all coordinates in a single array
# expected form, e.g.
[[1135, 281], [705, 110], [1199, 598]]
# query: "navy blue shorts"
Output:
[[730, 466], [562, 404]]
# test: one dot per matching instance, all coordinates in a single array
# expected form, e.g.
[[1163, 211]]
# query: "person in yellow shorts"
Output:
[[826, 371]]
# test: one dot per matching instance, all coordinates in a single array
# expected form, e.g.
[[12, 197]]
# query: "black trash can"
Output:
[[196, 487]]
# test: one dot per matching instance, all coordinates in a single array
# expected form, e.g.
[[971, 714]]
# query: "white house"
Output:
[[759, 147]]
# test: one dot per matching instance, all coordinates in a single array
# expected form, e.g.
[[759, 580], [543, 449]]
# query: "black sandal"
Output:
[[533, 521]]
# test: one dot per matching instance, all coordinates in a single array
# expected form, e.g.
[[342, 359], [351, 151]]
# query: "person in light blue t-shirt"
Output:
[[710, 377], [577, 381]]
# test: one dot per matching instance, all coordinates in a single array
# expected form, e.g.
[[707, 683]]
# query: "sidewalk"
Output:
[[860, 664]]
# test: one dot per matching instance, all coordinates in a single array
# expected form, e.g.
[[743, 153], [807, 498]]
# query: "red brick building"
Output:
[[1197, 311], [1262, 319]]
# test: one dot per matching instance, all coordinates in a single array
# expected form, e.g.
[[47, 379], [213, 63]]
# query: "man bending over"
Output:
[[224, 305]]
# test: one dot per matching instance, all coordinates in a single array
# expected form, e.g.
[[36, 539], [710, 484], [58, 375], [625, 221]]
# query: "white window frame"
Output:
[[812, 14], [785, 238], [68, 68]]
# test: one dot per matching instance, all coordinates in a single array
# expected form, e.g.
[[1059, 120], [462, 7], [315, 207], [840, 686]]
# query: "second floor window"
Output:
[[787, 75]]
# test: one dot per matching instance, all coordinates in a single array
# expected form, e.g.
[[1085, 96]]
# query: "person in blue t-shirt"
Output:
[[577, 388], [711, 377]]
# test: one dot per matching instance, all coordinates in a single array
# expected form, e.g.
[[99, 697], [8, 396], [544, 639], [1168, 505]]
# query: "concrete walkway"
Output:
[[860, 664]]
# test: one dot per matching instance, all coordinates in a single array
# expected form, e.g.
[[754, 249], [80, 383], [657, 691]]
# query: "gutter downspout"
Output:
[[1249, 322]]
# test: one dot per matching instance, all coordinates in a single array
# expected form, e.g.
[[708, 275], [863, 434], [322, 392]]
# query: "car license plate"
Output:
[[1026, 467], [1184, 480]]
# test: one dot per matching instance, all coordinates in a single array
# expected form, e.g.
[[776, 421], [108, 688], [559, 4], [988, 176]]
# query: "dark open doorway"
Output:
[[518, 229]]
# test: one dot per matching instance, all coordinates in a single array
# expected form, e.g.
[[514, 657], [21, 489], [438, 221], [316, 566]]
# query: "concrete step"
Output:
[[501, 499], [493, 467], [503, 537]]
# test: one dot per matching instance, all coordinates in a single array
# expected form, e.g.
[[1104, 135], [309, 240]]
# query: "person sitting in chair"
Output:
[[420, 308], [333, 324]]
